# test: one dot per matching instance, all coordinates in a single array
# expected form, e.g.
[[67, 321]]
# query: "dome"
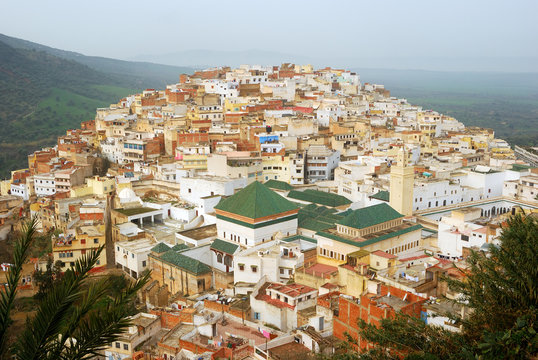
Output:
[[127, 193]]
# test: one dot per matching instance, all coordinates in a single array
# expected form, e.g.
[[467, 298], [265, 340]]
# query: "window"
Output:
[[83, 241], [125, 347], [132, 256], [117, 345], [464, 238], [219, 258], [241, 267], [257, 316], [254, 268], [144, 263], [282, 271], [96, 241]]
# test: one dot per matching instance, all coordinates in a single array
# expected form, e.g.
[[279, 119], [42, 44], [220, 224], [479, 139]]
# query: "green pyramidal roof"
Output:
[[192, 265], [369, 216], [255, 201], [160, 248]]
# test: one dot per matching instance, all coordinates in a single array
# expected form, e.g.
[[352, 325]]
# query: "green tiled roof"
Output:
[[369, 241], [255, 201], [279, 185], [179, 247], [224, 246], [160, 248], [521, 167], [319, 197], [318, 218], [189, 264], [382, 195], [369, 216]]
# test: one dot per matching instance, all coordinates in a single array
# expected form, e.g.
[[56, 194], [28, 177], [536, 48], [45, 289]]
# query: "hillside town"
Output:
[[273, 207]]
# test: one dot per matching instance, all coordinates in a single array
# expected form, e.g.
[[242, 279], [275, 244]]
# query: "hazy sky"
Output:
[[386, 29]]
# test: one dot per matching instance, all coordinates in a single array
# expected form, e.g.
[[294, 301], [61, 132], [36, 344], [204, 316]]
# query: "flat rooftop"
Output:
[[321, 270], [135, 211], [173, 337], [392, 301], [137, 245], [290, 351], [200, 233]]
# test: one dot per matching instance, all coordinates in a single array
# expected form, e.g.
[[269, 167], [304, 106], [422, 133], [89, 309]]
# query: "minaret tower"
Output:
[[402, 181]]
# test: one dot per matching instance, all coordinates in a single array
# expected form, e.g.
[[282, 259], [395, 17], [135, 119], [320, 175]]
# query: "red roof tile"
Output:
[[384, 254]]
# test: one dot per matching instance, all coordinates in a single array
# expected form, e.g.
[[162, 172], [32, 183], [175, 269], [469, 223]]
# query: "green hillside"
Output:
[[46, 91], [136, 74]]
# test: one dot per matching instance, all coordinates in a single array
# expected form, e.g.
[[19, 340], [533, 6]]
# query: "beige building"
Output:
[[236, 164], [143, 327], [377, 227], [402, 179], [69, 247]]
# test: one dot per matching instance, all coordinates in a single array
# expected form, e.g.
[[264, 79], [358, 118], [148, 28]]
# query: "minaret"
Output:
[[402, 180]]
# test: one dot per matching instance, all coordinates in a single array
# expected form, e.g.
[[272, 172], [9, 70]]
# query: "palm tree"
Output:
[[75, 320]]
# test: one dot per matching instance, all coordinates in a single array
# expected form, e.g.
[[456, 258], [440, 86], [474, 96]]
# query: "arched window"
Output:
[[228, 261], [219, 258]]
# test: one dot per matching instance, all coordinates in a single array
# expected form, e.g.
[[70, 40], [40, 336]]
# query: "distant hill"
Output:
[[208, 58], [504, 102], [46, 91], [135, 73]]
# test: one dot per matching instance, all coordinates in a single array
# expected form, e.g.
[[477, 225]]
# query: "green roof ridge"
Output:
[[369, 216], [179, 247], [279, 185], [256, 201], [191, 265], [319, 197], [160, 248], [382, 195], [224, 246]]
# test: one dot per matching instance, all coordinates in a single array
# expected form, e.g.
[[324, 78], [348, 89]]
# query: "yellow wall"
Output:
[[80, 245]]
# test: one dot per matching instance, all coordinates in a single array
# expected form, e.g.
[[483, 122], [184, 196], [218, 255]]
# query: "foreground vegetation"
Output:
[[76, 318]]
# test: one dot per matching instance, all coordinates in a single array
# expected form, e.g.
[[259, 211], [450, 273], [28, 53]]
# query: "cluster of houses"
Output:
[[274, 207]]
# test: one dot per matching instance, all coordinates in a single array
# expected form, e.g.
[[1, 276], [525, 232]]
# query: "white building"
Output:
[[276, 260], [20, 190], [526, 188], [320, 163], [255, 215], [459, 230], [278, 304], [44, 184], [132, 256]]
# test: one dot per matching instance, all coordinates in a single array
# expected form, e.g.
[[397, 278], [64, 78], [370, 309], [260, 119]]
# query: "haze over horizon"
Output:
[[424, 35]]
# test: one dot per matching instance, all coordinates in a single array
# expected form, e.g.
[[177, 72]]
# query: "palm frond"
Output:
[[41, 336], [7, 295], [103, 326]]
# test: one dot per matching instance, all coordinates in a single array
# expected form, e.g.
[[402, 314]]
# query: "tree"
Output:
[[499, 286], [75, 318], [45, 280]]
